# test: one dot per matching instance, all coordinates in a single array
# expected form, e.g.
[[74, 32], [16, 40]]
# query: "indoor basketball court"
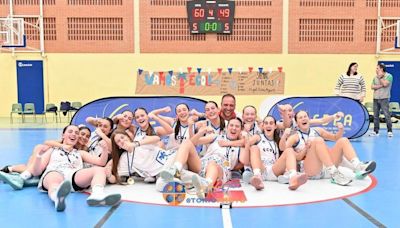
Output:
[[79, 62]]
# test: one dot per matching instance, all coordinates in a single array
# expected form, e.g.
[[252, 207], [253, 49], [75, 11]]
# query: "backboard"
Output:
[[12, 33]]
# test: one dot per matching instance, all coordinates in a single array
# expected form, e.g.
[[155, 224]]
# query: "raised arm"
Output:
[[197, 115], [285, 136], [330, 136], [149, 140], [165, 128], [291, 141], [161, 110], [191, 123], [110, 177], [104, 137], [95, 160], [200, 139], [286, 120], [385, 81], [57, 143], [253, 140], [168, 119], [237, 143], [326, 119], [116, 118], [42, 159], [93, 121]]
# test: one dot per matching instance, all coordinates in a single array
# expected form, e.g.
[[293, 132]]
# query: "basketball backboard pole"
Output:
[[379, 29], [11, 15], [41, 27]]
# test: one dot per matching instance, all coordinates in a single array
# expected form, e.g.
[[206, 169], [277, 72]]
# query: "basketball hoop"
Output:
[[12, 33]]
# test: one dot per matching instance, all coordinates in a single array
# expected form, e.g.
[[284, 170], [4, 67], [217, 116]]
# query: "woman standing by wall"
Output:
[[351, 84]]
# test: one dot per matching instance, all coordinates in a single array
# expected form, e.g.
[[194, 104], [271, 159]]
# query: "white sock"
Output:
[[257, 172], [53, 194], [25, 175], [10, 169], [331, 169], [178, 166], [97, 189], [292, 173], [209, 180], [246, 167], [355, 161]]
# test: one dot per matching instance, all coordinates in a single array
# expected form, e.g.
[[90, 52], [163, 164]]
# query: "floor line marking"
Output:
[[107, 216], [363, 213]]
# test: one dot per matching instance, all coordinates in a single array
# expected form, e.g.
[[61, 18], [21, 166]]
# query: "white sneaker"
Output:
[[363, 169], [340, 179], [15, 181], [390, 134], [201, 185], [246, 176], [373, 134], [284, 179], [99, 199], [149, 180], [169, 173], [61, 193]]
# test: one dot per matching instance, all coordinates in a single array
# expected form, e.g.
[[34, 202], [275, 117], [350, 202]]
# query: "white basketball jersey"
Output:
[[293, 128], [254, 130], [175, 141], [229, 154], [61, 160], [217, 131], [303, 137], [94, 149], [149, 159], [269, 150]]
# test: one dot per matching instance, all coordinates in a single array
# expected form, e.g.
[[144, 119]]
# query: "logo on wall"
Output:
[[20, 64]]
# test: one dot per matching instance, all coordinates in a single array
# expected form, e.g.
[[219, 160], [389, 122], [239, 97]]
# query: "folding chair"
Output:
[[29, 108], [394, 108], [52, 109], [16, 109]]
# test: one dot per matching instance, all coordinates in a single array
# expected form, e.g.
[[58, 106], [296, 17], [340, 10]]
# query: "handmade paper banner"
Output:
[[210, 83]]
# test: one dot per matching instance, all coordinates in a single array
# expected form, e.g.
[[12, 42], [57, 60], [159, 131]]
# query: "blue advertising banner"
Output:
[[393, 67], [109, 107], [355, 120], [30, 83]]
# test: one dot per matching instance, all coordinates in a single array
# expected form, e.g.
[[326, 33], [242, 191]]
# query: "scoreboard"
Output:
[[210, 16]]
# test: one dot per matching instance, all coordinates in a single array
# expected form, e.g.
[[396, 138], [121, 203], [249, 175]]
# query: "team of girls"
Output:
[[228, 146]]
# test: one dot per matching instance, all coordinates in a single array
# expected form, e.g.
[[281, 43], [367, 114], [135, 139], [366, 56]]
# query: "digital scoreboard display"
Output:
[[210, 16]]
